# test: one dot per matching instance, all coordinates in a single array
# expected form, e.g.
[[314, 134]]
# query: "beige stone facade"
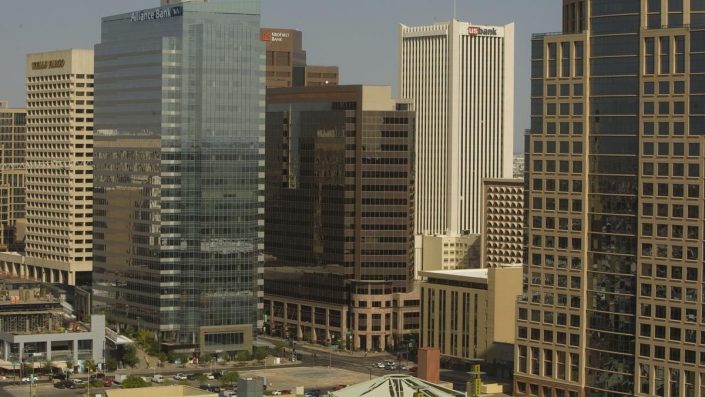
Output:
[[468, 314], [503, 222], [12, 174], [59, 154], [443, 252]]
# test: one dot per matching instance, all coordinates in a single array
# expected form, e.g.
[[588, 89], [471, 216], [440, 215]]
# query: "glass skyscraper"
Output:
[[179, 172]]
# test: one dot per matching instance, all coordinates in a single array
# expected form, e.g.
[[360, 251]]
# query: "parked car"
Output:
[[59, 375], [65, 384], [191, 376], [209, 376], [180, 376], [214, 389], [31, 378], [380, 364], [107, 382], [275, 393], [217, 374], [158, 378], [78, 382]]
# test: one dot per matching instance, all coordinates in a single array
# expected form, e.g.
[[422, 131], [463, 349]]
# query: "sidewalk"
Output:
[[326, 350]]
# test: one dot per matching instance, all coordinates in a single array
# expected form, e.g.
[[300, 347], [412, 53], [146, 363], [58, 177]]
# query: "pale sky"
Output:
[[360, 36]]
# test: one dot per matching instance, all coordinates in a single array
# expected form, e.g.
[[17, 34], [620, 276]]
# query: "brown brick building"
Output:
[[286, 61]]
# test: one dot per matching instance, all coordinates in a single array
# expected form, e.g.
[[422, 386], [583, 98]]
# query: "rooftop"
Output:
[[396, 386], [477, 274]]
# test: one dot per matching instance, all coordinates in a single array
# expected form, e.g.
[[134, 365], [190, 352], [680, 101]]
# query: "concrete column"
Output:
[[299, 330], [71, 278], [285, 326], [328, 324], [344, 326], [49, 350], [6, 350], [22, 351], [75, 351]]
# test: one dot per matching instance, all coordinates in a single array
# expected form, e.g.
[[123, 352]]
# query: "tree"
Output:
[[229, 378], [132, 382], [243, 355], [46, 366], [145, 338], [90, 365], [111, 364], [260, 353], [130, 356]]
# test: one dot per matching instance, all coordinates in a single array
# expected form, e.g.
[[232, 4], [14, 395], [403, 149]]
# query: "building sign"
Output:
[[156, 13], [53, 64], [274, 36], [478, 31]]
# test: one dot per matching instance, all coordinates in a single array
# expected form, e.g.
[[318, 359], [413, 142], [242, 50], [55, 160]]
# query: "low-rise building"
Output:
[[36, 325], [396, 386], [160, 391], [449, 252], [320, 304], [467, 315]]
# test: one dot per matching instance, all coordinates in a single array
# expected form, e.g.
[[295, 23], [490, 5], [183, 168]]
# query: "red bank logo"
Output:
[[478, 31]]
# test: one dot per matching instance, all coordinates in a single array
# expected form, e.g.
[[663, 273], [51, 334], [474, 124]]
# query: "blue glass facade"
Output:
[[179, 176]]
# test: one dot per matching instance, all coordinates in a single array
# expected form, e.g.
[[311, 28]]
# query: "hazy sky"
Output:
[[358, 35]]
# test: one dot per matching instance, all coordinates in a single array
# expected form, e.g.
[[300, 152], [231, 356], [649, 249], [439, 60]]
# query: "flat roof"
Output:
[[464, 274]]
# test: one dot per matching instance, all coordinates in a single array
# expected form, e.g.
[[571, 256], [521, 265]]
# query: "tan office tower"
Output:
[[286, 61], [503, 222], [12, 148], [59, 179], [613, 300], [460, 78]]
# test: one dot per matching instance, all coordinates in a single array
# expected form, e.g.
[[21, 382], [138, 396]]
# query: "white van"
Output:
[[157, 378]]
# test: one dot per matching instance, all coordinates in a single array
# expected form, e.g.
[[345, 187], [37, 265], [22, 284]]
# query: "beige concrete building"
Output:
[[12, 173], [441, 252], [503, 222], [59, 181], [160, 391], [468, 315]]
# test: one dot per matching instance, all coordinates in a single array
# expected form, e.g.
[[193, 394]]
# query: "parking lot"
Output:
[[289, 378]]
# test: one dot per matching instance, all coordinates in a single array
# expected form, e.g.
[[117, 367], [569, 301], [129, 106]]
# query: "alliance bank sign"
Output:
[[478, 31], [156, 13]]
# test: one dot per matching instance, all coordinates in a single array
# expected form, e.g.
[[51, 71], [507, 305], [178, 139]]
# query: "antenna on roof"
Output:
[[455, 6]]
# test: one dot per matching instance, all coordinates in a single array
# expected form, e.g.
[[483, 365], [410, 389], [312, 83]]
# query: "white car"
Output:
[[380, 364], [31, 378], [210, 376], [276, 393], [180, 376]]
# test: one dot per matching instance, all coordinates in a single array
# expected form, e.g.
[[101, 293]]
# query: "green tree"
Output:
[[129, 357], [163, 357], [229, 378], [46, 366], [145, 338], [111, 364], [201, 378], [261, 353], [243, 355], [90, 365], [132, 382]]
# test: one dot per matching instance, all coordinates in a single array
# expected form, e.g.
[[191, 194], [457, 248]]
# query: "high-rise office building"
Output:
[[460, 78], [58, 161], [13, 136], [339, 211], [286, 61], [179, 172], [614, 175]]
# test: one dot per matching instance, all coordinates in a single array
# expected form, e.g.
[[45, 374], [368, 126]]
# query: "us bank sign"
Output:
[[156, 13]]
